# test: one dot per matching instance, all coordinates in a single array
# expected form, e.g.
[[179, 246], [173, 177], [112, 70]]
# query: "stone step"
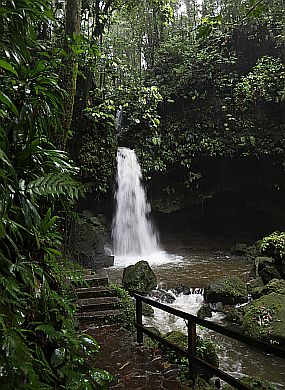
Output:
[[89, 271], [94, 281], [98, 317], [94, 292], [97, 304]]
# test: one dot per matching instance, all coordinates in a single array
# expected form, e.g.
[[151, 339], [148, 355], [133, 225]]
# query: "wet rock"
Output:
[[178, 338], [94, 261], [181, 289], [88, 239], [234, 315], [147, 310], [229, 290], [162, 296], [239, 249], [217, 306], [265, 318], [204, 311], [266, 268], [268, 273], [89, 235], [256, 282], [139, 278], [275, 285]]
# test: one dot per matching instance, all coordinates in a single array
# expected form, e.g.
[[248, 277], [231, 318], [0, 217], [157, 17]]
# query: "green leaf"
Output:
[[58, 357], [2, 230], [7, 101], [30, 212], [5, 65]]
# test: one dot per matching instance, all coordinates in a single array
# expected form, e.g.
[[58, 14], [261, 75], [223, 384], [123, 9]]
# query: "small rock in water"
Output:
[[181, 289], [162, 296], [204, 311], [217, 306]]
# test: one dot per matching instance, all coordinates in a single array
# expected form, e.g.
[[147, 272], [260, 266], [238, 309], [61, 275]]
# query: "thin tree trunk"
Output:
[[69, 66]]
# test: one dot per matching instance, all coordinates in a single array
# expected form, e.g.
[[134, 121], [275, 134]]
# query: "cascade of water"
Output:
[[132, 230]]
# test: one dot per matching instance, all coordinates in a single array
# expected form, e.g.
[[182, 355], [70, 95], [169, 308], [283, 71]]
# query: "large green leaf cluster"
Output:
[[39, 345]]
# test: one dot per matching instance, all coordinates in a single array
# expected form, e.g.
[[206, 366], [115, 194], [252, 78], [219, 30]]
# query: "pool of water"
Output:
[[194, 262]]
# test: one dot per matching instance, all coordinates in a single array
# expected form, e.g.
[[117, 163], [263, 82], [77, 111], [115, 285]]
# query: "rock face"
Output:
[[88, 239], [266, 269], [229, 290], [265, 318], [139, 278]]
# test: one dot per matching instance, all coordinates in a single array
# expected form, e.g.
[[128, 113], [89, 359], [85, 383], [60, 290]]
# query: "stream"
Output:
[[193, 262]]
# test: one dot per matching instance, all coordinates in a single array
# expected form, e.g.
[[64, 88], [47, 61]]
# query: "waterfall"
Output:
[[133, 234]]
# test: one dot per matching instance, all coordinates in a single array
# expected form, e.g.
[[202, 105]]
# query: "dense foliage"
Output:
[[40, 346], [192, 80], [274, 245], [178, 81]]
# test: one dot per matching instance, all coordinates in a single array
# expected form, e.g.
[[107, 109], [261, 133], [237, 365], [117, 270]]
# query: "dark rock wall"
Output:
[[231, 195]]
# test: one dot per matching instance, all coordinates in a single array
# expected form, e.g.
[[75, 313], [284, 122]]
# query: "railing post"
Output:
[[192, 350], [139, 320]]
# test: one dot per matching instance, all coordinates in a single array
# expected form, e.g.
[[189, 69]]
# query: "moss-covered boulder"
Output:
[[88, 239], [235, 315], [147, 310], [89, 235], [253, 283], [265, 318], [254, 383], [139, 278], [244, 250], [229, 290], [275, 285]]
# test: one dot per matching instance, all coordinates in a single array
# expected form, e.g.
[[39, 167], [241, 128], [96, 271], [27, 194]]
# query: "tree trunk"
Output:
[[69, 66]]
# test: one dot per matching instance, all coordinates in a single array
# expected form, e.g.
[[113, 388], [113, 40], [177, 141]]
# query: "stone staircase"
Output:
[[97, 304]]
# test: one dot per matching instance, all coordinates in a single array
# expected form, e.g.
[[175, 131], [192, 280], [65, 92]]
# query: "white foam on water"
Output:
[[154, 259], [167, 322]]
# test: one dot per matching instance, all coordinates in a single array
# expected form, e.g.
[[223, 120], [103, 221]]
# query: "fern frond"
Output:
[[55, 185]]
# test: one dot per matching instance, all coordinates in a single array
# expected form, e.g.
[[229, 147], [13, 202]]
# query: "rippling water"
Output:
[[194, 262]]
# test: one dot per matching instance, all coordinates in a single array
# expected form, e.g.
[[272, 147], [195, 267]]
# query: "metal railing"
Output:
[[193, 360]]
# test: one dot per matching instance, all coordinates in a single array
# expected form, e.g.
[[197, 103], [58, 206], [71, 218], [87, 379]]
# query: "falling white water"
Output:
[[133, 234]]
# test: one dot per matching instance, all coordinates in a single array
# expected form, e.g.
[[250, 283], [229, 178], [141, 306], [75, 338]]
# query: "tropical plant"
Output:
[[40, 345], [274, 245]]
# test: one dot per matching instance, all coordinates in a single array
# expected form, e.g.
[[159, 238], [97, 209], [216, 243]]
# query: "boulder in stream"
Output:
[[139, 278], [266, 268], [204, 311], [275, 285], [265, 318], [229, 290]]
